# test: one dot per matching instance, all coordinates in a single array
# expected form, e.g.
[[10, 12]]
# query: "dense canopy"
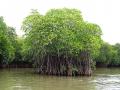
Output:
[[60, 33]]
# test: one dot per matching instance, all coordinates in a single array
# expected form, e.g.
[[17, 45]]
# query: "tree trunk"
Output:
[[85, 68], [69, 68]]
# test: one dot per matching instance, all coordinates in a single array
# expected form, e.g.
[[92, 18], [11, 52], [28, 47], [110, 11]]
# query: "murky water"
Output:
[[24, 79]]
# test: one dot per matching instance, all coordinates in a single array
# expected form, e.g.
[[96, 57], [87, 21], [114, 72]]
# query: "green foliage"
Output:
[[6, 48], [116, 55], [106, 52], [10, 49], [109, 55], [60, 32]]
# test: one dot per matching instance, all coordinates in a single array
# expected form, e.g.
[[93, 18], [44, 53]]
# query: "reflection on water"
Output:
[[24, 79]]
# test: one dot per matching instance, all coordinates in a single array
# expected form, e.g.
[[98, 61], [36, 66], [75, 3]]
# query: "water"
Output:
[[25, 79]]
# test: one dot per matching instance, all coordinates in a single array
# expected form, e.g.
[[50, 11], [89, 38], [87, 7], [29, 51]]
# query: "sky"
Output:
[[105, 13]]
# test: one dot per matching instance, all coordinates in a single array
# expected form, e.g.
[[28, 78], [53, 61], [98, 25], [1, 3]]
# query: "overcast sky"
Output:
[[105, 13]]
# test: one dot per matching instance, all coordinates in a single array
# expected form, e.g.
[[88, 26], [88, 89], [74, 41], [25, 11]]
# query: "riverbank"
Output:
[[17, 65], [105, 65]]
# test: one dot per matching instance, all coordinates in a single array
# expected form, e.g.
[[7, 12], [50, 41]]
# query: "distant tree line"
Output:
[[11, 46], [109, 55]]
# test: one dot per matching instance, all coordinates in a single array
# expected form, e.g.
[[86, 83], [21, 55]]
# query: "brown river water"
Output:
[[25, 79]]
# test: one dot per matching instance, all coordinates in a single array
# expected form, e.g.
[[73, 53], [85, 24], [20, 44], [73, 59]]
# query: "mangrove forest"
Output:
[[58, 43]]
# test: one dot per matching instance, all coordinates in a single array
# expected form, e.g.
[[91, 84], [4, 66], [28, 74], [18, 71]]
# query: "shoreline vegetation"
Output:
[[57, 43]]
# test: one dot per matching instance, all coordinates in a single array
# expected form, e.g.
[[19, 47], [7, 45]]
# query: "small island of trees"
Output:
[[57, 43]]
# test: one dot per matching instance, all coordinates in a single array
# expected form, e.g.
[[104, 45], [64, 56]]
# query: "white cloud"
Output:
[[103, 12]]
